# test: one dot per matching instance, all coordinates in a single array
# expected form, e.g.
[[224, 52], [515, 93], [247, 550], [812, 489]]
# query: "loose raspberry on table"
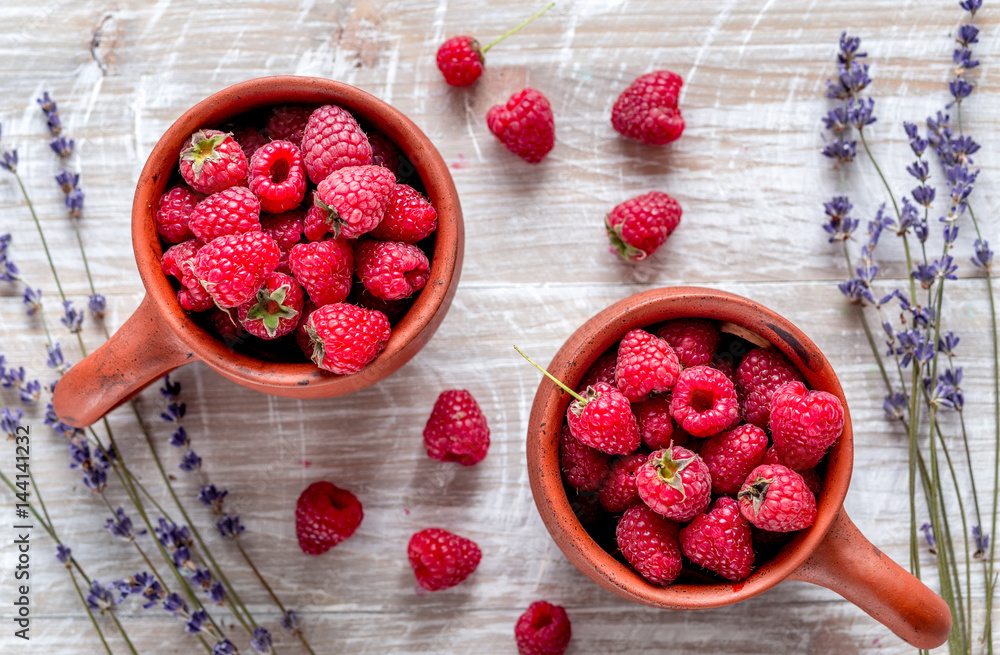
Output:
[[584, 468], [352, 200], [720, 541], [675, 482], [618, 492], [776, 498], [278, 176], [604, 420], [524, 125], [456, 430], [460, 60], [324, 269], [704, 401], [212, 161], [409, 217], [325, 515], [235, 210], [173, 213], [656, 426], [276, 310], [233, 267], [543, 629], [760, 372], [346, 337], [731, 455], [442, 559], [391, 270], [288, 123], [646, 364], [804, 424], [603, 370], [639, 226], [332, 140], [647, 109], [650, 543], [694, 340]]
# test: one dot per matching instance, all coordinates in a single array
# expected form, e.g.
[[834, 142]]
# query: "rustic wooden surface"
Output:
[[747, 171]]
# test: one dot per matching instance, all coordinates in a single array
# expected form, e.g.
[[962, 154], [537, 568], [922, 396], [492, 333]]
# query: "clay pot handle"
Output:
[[142, 350], [846, 562]]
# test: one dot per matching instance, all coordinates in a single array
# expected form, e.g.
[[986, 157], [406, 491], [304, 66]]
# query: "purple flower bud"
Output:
[[10, 421], [63, 553], [261, 641], [229, 526]]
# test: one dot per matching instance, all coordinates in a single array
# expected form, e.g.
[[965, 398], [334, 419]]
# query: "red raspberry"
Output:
[[314, 223], [352, 200], [619, 492], [346, 337], [276, 309], [543, 629], [229, 331], [647, 110], [173, 213], [761, 372], [525, 125], [675, 482], [332, 139], [232, 268], [730, 456], [286, 230], [384, 152], [409, 217], [194, 298], [776, 498], [251, 140], [693, 339], [324, 269], [720, 541], [804, 424], [288, 123], [603, 370], [460, 60], [325, 515], [178, 257], [442, 559], [212, 161], [583, 467], [650, 544], [638, 227], [391, 270], [604, 420], [302, 339], [456, 430], [656, 426], [278, 176], [235, 210], [811, 476], [704, 401], [393, 309], [646, 364]]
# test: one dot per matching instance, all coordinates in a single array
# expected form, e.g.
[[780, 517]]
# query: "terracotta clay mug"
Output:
[[832, 552], [160, 336]]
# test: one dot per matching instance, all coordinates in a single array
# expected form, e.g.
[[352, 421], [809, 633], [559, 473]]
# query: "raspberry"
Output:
[[638, 227], [302, 339], [619, 492], [314, 225], [251, 140], [524, 125], [346, 337], [704, 401], [324, 269], [212, 161], [178, 257], [650, 544], [232, 268], [604, 420], [720, 541], [804, 424], [391, 270], [694, 340], [761, 372], [332, 139], [656, 426], [647, 110], [230, 332], [776, 498], [278, 177], [646, 364], [393, 309], [286, 230], [194, 298], [173, 213], [288, 123], [352, 200], [384, 152], [603, 370], [460, 60], [675, 482], [276, 309], [325, 515], [456, 430], [442, 559], [812, 477], [730, 456], [235, 210], [543, 629], [409, 217], [583, 467]]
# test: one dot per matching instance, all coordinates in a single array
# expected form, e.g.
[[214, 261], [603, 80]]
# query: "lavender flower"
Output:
[[12, 378], [175, 604], [170, 390], [53, 421], [202, 578], [971, 6], [217, 593], [194, 624], [55, 359], [175, 412], [960, 89], [836, 120], [121, 526], [32, 299], [917, 144], [290, 622], [212, 497], [982, 541], [179, 438], [99, 598], [224, 647], [841, 151], [72, 318], [852, 78], [171, 535], [984, 256], [963, 60], [30, 391], [10, 421], [920, 170], [840, 225], [190, 462], [967, 35], [856, 289], [849, 49], [94, 469], [51, 111], [924, 195], [861, 112], [67, 181], [63, 554], [948, 343], [62, 146], [261, 641], [9, 160], [947, 391], [229, 526], [928, 531], [895, 406], [74, 203]]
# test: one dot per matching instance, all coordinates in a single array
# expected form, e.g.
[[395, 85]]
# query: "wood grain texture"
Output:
[[747, 172]]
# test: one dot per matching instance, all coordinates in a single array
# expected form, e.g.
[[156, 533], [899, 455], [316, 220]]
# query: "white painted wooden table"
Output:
[[747, 171]]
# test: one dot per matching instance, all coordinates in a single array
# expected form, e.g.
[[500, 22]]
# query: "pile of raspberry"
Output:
[[693, 452], [296, 229]]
